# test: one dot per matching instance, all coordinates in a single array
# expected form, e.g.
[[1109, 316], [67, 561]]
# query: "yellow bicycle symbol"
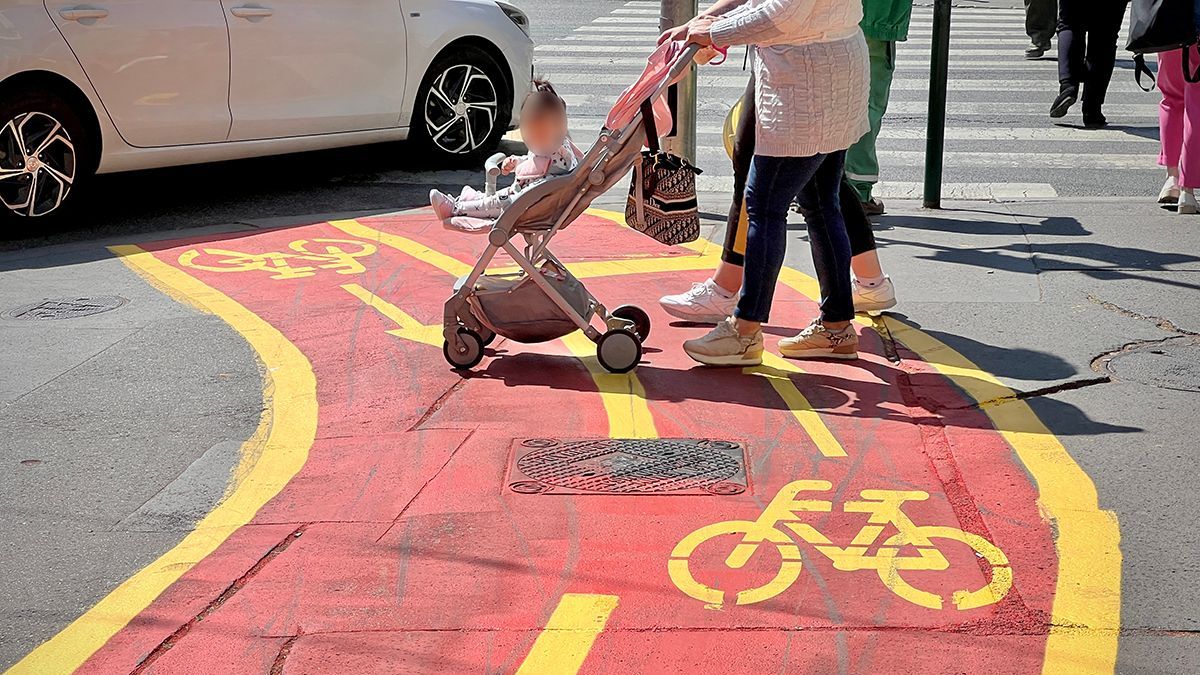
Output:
[[338, 255], [884, 508]]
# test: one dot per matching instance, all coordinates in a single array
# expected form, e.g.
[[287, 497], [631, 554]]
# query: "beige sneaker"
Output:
[[818, 342], [724, 347]]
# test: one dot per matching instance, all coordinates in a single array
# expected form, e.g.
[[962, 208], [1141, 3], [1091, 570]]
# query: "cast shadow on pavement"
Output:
[[877, 395]]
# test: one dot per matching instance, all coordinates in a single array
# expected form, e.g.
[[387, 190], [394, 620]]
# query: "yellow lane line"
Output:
[[623, 395], [417, 250], [290, 423], [620, 267], [1086, 614], [776, 370], [409, 328], [563, 645]]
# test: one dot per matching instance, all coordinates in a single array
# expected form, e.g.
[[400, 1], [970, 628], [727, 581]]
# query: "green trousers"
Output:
[[862, 161]]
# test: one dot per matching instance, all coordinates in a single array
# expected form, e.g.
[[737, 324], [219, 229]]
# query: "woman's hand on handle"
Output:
[[699, 31], [674, 34]]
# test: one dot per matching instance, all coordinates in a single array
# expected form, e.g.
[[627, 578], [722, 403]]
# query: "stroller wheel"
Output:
[[619, 351], [639, 317], [488, 336], [472, 352]]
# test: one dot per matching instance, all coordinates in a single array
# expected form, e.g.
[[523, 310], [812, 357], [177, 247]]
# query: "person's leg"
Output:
[[1101, 58], [1189, 160], [1041, 18], [862, 160], [1072, 66], [770, 187], [734, 251], [772, 184], [714, 299], [1170, 121], [831, 336]]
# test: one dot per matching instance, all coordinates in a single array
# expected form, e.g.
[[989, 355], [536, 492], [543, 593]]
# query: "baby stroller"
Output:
[[543, 301]]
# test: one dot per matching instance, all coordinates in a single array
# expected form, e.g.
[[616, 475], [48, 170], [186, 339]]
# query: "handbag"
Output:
[[1157, 26], [662, 196]]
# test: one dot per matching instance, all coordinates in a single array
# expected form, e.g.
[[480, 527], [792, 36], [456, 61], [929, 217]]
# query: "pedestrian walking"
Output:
[[811, 88], [1179, 130], [714, 299], [1041, 20], [1087, 53], [885, 22]]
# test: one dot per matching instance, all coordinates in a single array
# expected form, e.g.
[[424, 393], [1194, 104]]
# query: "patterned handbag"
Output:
[[662, 197]]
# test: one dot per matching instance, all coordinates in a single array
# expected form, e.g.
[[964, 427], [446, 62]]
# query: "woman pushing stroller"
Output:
[[812, 81]]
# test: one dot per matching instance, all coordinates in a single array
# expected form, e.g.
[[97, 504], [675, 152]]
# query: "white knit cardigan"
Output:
[[812, 76]]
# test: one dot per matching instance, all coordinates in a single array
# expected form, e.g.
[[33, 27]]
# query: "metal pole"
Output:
[[935, 137], [682, 140]]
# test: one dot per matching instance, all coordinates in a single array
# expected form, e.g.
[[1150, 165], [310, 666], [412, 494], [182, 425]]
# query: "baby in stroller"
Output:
[[551, 153]]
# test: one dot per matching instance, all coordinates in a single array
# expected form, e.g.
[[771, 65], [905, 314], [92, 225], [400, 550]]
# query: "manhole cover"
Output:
[[674, 466], [65, 308], [1172, 364]]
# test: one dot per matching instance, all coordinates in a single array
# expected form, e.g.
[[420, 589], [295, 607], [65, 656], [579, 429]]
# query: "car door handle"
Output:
[[83, 13], [250, 12]]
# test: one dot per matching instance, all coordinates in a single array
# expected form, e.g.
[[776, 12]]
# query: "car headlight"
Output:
[[518, 17]]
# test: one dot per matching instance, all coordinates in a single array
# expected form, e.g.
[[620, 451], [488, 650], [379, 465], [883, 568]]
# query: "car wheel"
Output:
[[44, 160], [463, 107]]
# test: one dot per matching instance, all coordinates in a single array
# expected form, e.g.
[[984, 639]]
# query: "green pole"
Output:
[[935, 137], [682, 141]]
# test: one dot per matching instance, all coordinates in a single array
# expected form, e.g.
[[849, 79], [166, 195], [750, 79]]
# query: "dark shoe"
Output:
[[873, 206], [1036, 51], [1062, 105], [1096, 121]]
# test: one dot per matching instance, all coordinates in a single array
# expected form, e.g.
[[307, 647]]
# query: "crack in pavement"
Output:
[[231, 590], [1033, 393], [1164, 324]]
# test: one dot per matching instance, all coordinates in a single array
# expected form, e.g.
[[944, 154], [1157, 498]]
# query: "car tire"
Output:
[[38, 189], [462, 128]]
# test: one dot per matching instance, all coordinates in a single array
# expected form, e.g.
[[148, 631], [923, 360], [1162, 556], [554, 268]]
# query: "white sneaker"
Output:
[[705, 303], [875, 299], [724, 347], [1170, 191], [1187, 202]]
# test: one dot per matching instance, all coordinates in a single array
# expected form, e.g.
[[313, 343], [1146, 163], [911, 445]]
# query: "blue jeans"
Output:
[[772, 184]]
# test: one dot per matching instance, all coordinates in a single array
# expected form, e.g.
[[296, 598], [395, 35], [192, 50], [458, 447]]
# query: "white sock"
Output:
[[871, 282], [721, 291]]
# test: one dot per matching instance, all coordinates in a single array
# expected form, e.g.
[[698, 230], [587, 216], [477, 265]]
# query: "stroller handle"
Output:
[[492, 169], [681, 63]]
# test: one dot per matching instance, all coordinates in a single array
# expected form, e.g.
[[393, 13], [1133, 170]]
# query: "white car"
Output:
[[104, 86]]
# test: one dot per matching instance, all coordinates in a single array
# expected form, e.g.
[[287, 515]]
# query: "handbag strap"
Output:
[[648, 123], [1192, 76], [1139, 67]]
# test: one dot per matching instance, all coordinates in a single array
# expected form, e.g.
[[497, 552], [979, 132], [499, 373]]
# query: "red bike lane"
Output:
[[400, 546]]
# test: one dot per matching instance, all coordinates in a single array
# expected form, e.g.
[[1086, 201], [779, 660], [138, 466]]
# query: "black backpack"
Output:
[[1161, 26]]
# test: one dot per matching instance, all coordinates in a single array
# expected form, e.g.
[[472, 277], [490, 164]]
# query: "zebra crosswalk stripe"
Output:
[[1000, 143]]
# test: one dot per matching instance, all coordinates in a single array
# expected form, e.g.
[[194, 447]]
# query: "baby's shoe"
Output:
[[443, 205], [470, 194]]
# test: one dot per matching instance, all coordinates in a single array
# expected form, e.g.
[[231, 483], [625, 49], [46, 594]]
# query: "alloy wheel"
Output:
[[37, 164], [461, 108]]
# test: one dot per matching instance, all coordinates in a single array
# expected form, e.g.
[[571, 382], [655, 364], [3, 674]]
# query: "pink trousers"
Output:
[[1179, 117]]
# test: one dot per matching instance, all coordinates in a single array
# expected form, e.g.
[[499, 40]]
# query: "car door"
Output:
[[160, 67], [302, 67]]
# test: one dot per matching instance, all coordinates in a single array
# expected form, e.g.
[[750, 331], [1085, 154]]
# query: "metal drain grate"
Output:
[[65, 308], [670, 466]]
